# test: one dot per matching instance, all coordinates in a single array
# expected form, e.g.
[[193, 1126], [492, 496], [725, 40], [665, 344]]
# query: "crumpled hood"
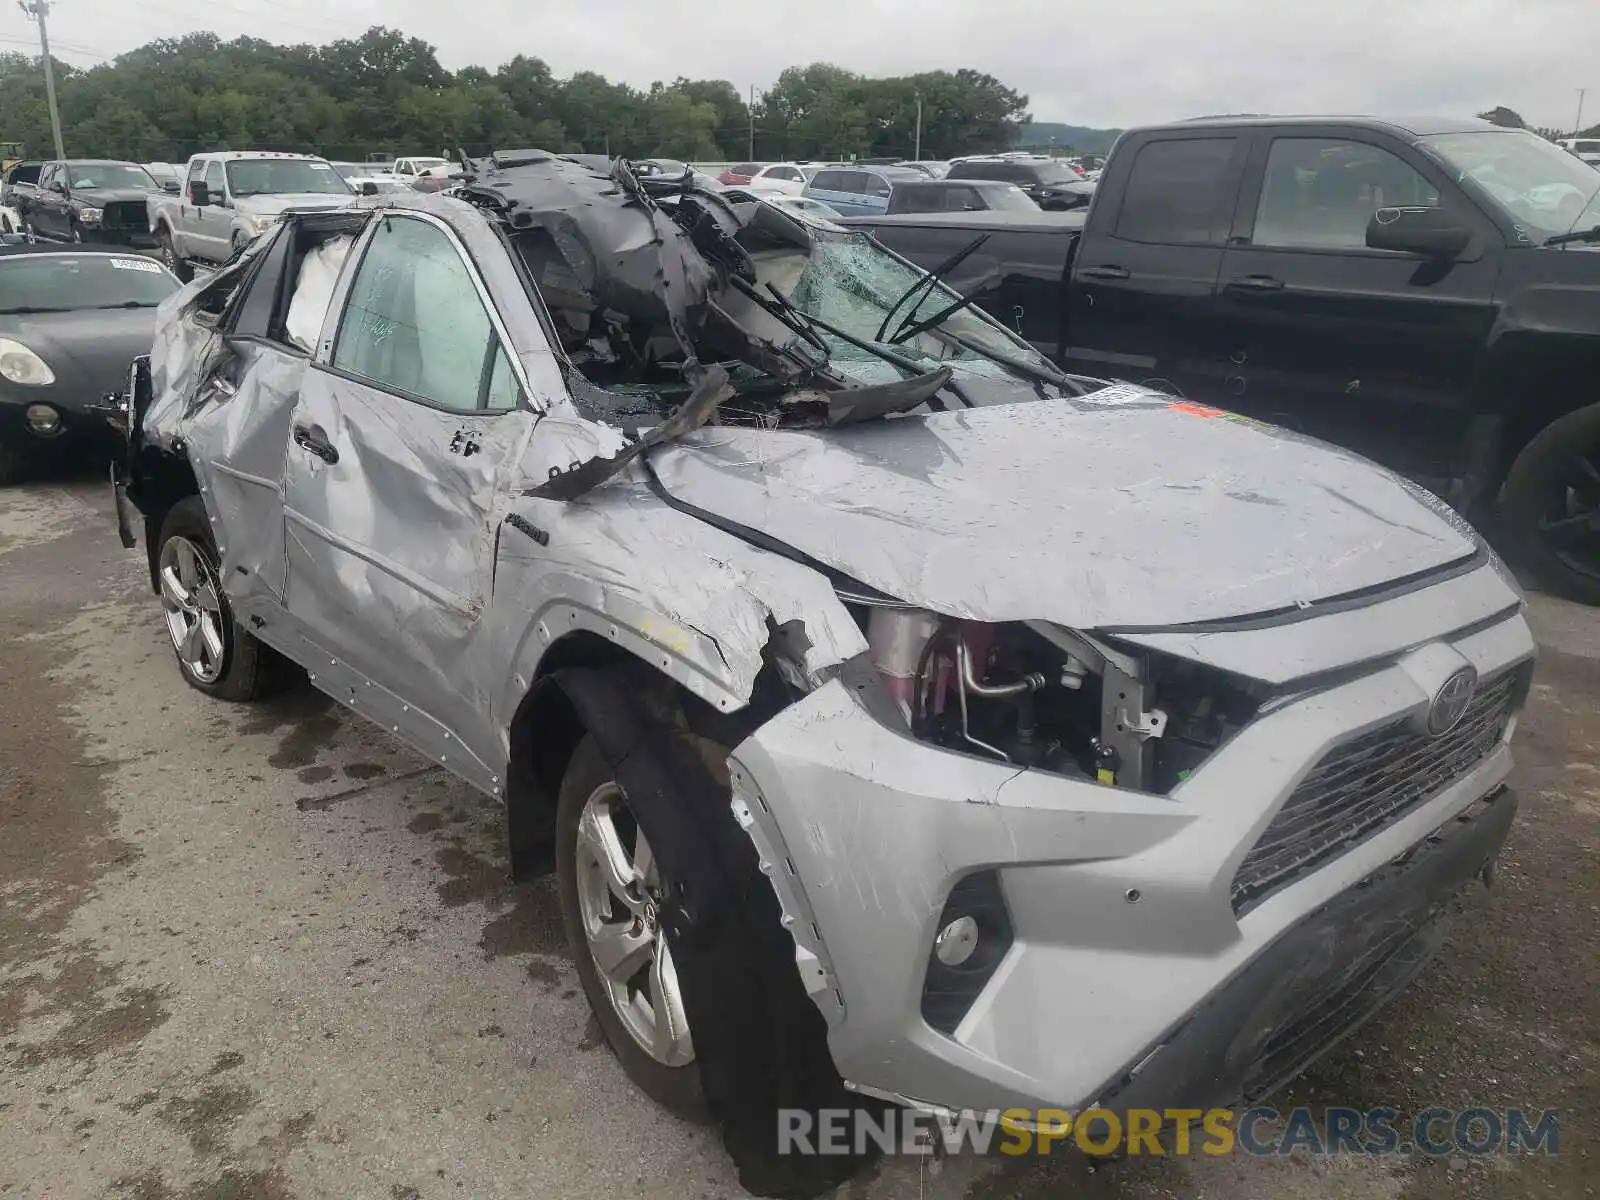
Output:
[[272, 205], [1152, 512]]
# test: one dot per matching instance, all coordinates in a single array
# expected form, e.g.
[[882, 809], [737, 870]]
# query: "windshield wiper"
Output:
[[132, 304], [1577, 235], [23, 310], [928, 281]]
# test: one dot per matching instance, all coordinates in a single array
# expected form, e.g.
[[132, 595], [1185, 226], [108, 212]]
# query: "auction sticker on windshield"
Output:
[[1124, 393], [136, 264]]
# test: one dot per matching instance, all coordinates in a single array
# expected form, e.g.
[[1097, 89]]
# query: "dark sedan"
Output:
[[70, 322]]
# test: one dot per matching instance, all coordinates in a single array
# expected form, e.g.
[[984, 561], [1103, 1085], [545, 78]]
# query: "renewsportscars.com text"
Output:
[[1435, 1132]]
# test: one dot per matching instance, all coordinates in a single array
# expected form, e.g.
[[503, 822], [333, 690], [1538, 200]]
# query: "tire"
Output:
[[230, 664], [1551, 485], [675, 1087], [169, 256], [759, 1043]]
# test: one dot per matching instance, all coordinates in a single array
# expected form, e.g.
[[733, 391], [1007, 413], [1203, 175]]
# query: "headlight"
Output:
[[89, 216], [43, 420], [258, 225], [18, 364]]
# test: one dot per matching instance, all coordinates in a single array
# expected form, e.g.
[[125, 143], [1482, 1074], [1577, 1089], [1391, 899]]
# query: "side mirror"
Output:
[[1429, 232], [199, 195], [59, 186], [369, 187]]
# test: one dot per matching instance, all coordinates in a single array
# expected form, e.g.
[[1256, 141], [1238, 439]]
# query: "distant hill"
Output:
[[1083, 140]]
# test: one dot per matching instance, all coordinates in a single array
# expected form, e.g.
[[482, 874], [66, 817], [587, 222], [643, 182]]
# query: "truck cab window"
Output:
[[1320, 193], [1175, 191], [215, 183]]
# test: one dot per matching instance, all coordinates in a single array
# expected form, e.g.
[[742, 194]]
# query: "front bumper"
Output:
[[85, 421], [1130, 979]]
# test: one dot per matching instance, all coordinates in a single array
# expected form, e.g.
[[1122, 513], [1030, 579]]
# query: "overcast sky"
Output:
[[1119, 63]]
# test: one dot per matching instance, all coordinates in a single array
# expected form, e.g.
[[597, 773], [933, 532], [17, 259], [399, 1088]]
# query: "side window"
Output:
[[1175, 191], [215, 183], [1320, 193], [826, 181], [47, 176], [415, 324], [197, 169], [961, 199]]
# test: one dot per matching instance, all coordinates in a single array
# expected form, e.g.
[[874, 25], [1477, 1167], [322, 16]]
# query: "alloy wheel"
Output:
[[619, 896], [192, 603]]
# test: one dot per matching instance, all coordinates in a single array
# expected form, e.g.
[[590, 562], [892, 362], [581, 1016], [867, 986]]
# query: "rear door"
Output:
[[1325, 335], [405, 422], [1142, 303]]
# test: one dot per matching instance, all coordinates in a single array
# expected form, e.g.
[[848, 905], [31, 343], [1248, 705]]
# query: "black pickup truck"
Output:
[[1425, 292]]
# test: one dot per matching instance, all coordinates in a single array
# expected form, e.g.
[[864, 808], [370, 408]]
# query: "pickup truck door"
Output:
[[1322, 334], [407, 420], [49, 210], [1142, 303], [214, 222]]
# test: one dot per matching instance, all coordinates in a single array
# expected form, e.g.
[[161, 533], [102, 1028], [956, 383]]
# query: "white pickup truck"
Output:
[[230, 198]]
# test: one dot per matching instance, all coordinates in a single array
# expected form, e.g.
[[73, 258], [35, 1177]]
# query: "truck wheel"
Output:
[[1551, 505], [215, 654], [169, 256]]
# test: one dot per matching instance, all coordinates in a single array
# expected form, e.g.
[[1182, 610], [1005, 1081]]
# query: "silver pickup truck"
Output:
[[229, 198]]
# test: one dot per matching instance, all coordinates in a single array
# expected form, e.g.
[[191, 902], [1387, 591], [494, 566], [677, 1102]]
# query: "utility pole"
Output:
[[751, 109], [1577, 125], [916, 154], [40, 10]]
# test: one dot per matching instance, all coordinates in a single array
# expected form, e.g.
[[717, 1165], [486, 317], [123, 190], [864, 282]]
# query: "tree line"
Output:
[[384, 92]]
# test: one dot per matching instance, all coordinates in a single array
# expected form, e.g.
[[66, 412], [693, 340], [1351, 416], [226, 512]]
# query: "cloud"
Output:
[[1132, 62]]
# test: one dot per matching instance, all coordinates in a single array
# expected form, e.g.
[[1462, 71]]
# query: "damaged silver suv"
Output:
[[898, 715]]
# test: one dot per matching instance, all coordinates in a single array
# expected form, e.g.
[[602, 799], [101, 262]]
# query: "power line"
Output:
[[58, 46]]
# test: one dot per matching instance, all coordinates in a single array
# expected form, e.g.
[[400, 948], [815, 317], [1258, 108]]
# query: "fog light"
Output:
[[43, 420], [956, 942]]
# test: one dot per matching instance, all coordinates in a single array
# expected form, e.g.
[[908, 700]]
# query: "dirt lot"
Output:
[[263, 953]]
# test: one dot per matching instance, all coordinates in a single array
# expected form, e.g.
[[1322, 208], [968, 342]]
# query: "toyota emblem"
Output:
[[1450, 702]]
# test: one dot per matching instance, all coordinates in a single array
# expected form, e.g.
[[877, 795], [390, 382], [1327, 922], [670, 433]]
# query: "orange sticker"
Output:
[[1197, 410]]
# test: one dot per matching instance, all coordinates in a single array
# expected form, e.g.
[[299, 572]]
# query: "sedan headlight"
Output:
[[89, 216], [18, 364]]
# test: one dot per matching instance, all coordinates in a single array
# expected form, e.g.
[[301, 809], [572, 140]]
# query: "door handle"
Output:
[[1104, 272], [314, 440], [1254, 283]]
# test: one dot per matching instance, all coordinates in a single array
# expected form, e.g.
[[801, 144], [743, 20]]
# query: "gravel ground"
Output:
[[262, 953]]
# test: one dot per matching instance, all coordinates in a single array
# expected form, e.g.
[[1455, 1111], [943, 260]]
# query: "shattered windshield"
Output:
[[1546, 191], [853, 284]]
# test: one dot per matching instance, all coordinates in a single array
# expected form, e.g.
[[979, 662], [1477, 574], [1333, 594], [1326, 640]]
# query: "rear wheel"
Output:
[[1551, 505], [215, 654]]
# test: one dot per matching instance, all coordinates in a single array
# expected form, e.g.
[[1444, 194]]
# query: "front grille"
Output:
[[1364, 784], [125, 214]]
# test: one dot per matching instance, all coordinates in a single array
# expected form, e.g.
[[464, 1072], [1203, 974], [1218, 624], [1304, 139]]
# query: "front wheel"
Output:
[[1551, 505], [169, 256], [215, 654], [611, 896]]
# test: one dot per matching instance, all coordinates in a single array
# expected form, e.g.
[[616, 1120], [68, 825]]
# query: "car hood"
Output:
[[100, 197], [1134, 511], [272, 205], [88, 351]]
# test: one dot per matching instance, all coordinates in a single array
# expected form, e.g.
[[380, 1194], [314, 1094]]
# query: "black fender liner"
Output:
[[760, 1043]]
